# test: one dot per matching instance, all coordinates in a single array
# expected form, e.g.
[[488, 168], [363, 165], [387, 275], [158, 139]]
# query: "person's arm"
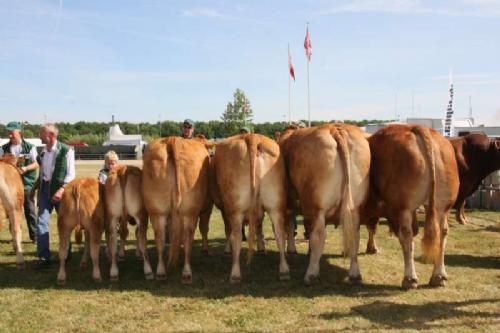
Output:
[[31, 166], [1, 152], [70, 174]]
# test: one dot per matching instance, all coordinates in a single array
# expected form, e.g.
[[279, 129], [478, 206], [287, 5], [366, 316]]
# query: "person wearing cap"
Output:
[[244, 130], [57, 168], [27, 166], [302, 124], [187, 129]]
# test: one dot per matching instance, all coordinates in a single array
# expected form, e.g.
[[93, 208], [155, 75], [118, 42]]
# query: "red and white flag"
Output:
[[290, 65], [308, 45]]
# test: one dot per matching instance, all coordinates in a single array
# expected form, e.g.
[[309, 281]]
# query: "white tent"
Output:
[[117, 138]]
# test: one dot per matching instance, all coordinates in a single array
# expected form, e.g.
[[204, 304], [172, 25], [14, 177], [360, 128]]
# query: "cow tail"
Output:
[[76, 196], [252, 142], [346, 206], [176, 230], [175, 155], [122, 177], [432, 233]]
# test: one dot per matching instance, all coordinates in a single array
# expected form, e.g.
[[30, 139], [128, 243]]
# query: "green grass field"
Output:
[[31, 301]]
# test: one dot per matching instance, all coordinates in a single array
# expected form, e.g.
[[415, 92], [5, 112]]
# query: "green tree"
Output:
[[237, 114]]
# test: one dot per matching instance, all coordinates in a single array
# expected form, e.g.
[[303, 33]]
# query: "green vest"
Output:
[[60, 168], [29, 177]]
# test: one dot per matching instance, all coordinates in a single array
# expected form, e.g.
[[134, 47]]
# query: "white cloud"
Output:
[[463, 8], [202, 12]]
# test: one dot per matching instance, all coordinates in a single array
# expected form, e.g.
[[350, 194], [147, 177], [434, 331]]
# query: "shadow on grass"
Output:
[[466, 260], [420, 317], [210, 276]]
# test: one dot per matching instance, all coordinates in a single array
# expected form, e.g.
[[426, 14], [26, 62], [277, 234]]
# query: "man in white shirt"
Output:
[[57, 168], [27, 166]]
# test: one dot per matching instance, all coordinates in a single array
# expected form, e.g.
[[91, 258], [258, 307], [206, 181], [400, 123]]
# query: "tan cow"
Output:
[[123, 198], [81, 204], [12, 202], [411, 166], [250, 177], [328, 168], [175, 187]]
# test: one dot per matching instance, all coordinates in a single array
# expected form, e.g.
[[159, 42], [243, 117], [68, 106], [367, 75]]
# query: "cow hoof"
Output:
[[291, 252], [227, 253], [83, 264], [437, 281], [285, 276], [371, 250], [261, 252], [356, 279], [61, 282], [20, 265], [98, 280], [235, 279], [206, 252], [187, 279], [161, 277], [311, 280], [114, 278], [409, 283], [149, 276]]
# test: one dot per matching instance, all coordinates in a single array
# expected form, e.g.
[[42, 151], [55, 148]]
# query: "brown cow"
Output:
[[12, 202], [250, 178], [411, 166], [328, 167], [123, 190], [477, 156], [175, 187], [81, 204]]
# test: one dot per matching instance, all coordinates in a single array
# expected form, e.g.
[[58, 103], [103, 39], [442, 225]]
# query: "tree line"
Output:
[[95, 133]]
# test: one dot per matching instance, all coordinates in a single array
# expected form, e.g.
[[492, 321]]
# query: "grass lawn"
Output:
[[31, 301]]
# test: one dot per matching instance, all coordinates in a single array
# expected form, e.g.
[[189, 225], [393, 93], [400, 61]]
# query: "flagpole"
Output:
[[289, 94], [308, 98]]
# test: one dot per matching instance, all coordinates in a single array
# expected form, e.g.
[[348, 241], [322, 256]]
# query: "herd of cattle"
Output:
[[329, 174]]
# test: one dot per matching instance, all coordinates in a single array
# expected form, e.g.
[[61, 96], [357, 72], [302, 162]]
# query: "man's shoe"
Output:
[[43, 264]]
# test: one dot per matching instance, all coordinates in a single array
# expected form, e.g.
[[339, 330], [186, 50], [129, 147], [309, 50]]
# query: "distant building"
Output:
[[117, 138]]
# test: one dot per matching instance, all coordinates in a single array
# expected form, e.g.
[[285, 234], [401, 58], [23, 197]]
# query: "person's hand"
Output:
[[58, 195], [32, 195], [22, 170]]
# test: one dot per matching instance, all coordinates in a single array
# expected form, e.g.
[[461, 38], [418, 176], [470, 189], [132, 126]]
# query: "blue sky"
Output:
[[146, 60]]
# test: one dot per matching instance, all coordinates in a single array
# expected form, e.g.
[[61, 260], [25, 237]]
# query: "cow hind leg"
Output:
[[354, 272], [405, 235], [159, 225], [94, 244], [189, 227], [460, 214], [236, 222], [439, 275], [316, 245], [371, 227], [278, 219], [204, 221], [123, 230], [86, 250], [64, 228], [141, 235], [15, 219], [112, 246]]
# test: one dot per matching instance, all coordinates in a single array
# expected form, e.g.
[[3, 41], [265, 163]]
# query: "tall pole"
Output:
[[289, 94], [308, 98]]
